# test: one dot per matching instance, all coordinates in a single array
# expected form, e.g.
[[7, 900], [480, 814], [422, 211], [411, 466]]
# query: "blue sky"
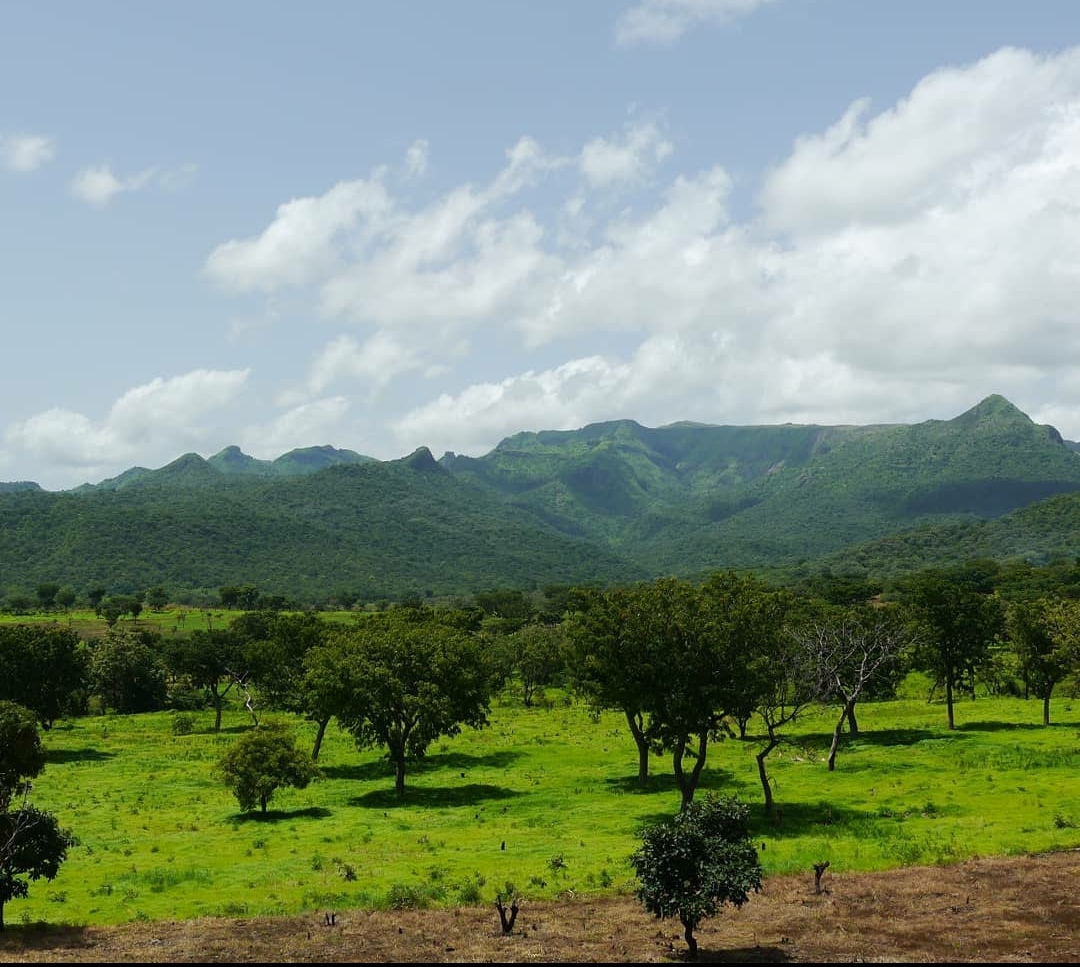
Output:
[[389, 225]]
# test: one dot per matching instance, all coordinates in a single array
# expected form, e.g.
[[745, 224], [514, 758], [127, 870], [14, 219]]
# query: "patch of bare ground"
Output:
[[995, 910]]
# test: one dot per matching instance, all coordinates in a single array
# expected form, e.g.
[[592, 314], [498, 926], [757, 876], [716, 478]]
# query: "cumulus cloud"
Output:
[[299, 245], [26, 152], [627, 159], [917, 254], [960, 134], [665, 21], [161, 415], [97, 185], [371, 365], [299, 426]]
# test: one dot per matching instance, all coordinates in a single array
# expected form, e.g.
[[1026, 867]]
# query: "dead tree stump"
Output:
[[507, 922], [819, 872]]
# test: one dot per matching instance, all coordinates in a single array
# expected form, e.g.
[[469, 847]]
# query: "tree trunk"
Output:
[[949, 701], [1046, 709], [688, 782], [688, 933], [853, 725], [642, 746], [262, 801], [399, 776], [763, 775], [322, 723], [835, 747]]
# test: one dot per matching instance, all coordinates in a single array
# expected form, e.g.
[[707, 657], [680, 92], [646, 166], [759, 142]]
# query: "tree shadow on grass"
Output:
[[794, 819], [1012, 726], [443, 797], [276, 815], [62, 756], [458, 762], [663, 783]]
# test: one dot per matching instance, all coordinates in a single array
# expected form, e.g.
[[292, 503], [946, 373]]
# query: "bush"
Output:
[[694, 864]]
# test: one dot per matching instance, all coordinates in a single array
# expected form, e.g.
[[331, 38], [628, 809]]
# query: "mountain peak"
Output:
[[993, 409], [421, 459]]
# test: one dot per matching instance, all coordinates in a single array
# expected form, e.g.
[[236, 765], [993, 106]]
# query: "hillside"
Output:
[[610, 502]]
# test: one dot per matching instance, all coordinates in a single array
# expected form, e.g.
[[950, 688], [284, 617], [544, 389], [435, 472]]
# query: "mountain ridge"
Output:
[[613, 501]]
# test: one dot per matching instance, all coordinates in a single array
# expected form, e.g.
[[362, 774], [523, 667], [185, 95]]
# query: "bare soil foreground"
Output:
[[999, 910]]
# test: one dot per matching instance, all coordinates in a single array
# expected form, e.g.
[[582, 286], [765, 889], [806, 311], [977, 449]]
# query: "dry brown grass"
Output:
[[999, 910]]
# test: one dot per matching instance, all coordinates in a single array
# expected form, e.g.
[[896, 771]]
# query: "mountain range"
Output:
[[608, 503]]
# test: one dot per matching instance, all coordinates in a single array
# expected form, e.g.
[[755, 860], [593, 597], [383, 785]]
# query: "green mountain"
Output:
[[691, 498], [610, 502], [374, 529]]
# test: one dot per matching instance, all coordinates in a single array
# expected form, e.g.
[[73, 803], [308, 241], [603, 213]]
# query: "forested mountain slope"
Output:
[[611, 502]]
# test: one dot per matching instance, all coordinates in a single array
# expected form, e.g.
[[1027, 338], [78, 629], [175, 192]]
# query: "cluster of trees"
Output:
[[685, 663]]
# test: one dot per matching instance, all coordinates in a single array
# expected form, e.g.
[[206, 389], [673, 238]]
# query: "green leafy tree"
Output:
[[693, 865], [960, 622], [32, 844], [262, 761], [95, 596], [1045, 636], [720, 640], [536, 654], [157, 597], [210, 660], [410, 676], [275, 650], [44, 669], [65, 598], [46, 595], [613, 658], [127, 671]]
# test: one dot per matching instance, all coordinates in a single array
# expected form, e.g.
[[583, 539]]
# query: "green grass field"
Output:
[[541, 803]]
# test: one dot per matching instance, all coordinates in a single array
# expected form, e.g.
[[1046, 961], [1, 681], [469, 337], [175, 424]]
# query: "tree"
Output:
[[719, 643], [960, 622], [274, 652], [262, 761], [612, 658], [847, 652], [537, 658], [157, 597], [95, 596], [43, 668], [65, 598], [128, 672], [409, 676], [46, 595], [209, 660], [32, 844], [694, 864], [1046, 638]]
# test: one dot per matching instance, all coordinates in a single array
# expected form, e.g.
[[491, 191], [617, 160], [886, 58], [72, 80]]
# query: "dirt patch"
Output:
[[997, 910]]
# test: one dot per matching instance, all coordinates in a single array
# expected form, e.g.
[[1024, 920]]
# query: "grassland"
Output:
[[541, 804]]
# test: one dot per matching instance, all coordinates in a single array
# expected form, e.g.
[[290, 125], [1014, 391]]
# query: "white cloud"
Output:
[[665, 21], [161, 415], [959, 134], [606, 162], [26, 152], [920, 254], [299, 245], [301, 426], [416, 158], [97, 185], [376, 362]]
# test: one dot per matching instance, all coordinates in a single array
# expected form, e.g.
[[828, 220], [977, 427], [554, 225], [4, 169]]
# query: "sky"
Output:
[[381, 226]]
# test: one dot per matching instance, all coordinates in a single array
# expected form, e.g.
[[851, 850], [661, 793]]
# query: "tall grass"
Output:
[[542, 803]]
